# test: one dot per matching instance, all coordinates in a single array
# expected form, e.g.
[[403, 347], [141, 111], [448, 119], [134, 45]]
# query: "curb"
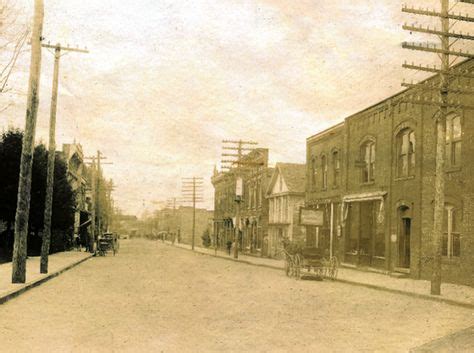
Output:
[[354, 283], [16, 292]]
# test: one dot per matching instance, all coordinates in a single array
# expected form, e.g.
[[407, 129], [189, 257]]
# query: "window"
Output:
[[453, 141], [368, 159], [406, 153], [324, 170], [451, 235], [336, 165], [313, 174]]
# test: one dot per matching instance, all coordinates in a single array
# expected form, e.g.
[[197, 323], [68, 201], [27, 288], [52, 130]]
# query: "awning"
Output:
[[366, 196]]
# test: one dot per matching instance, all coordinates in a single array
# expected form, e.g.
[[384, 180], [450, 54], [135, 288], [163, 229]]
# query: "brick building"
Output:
[[372, 177], [179, 222], [286, 194], [253, 207]]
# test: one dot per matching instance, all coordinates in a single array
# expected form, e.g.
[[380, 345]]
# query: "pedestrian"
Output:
[[229, 246]]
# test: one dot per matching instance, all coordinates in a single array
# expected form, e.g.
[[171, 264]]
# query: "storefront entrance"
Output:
[[404, 236], [364, 240]]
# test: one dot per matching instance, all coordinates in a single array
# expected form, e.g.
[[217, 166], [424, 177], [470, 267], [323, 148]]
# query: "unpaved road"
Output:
[[155, 298]]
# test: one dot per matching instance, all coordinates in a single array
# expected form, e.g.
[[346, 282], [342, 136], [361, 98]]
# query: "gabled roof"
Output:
[[294, 175]]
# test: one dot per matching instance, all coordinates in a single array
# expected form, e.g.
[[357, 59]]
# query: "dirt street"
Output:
[[155, 298]]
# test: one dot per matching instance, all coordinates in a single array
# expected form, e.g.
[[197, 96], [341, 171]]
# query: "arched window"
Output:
[[336, 167], [406, 153], [453, 141], [368, 158], [451, 231], [324, 172]]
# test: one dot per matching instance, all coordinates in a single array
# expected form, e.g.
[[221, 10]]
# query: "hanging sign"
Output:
[[310, 217], [239, 187]]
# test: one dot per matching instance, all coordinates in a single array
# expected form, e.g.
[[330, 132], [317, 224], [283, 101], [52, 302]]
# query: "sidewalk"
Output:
[[451, 293], [58, 263]]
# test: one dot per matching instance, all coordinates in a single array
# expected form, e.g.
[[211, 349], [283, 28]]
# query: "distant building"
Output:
[[179, 222], [253, 207], [286, 195], [77, 173]]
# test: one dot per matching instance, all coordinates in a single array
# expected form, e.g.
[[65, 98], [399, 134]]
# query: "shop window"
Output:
[[336, 165], [324, 172], [451, 234], [453, 141], [368, 159], [406, 153]]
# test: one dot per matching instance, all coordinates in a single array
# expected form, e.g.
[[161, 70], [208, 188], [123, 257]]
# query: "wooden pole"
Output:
[[48, 207], [24, 185], [93, 201], [440, 154]]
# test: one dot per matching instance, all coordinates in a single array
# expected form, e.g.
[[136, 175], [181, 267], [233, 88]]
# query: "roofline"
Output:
[[326, 131]]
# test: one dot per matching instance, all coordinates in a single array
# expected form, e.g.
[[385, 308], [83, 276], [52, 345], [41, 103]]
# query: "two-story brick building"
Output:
[[373, 176], [253, 216]]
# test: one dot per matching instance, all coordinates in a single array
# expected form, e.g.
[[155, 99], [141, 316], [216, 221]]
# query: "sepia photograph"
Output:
[[236, 176]]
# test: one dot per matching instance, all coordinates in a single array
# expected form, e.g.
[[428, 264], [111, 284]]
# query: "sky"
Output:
[[167, 80]]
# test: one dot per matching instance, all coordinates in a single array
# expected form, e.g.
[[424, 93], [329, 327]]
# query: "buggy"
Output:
[[105, 243]]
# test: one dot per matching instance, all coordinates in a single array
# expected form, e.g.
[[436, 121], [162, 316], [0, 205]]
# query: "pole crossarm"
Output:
[[67, 48], [427, 48], [467, 1], [434, 69], [433, 13], [422, 29], [240, 142]]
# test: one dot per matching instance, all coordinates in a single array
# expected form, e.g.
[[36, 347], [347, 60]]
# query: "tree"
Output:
[[63, 198], [206, 239]]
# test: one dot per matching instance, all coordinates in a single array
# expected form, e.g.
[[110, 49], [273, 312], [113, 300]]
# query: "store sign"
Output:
[[239, 187], [309, 217]]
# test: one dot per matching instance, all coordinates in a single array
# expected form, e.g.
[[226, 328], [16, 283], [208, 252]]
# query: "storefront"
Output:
[[364, 222]]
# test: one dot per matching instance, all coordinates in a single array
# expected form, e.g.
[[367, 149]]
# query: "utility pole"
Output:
[[192, 191], [51, 155], [236, 166], [443, 103], [26, 164], [96, 175]]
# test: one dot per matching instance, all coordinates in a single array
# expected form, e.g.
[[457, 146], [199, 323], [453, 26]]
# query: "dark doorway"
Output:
[[404, 240]]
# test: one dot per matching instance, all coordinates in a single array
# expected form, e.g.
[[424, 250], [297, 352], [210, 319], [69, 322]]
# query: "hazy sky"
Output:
[[167, 80]]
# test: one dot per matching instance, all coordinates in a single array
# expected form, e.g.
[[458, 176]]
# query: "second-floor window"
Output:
[[324, 172], [368, 159], [336, 165], [406, 153], [453, 141]]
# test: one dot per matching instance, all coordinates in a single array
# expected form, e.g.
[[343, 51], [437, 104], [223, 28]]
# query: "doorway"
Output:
[[404, 238]]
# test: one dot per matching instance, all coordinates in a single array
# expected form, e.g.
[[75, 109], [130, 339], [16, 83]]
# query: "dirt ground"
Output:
[[155, 298]]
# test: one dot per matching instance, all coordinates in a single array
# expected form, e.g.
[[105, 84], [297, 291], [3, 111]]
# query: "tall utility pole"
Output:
[[24, 185], [236, 165], [51, 155], [192, 191], [96, 175], [444, 89]]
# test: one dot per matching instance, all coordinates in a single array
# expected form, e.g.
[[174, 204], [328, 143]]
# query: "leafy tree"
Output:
[[63, 196], [206, 239]]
